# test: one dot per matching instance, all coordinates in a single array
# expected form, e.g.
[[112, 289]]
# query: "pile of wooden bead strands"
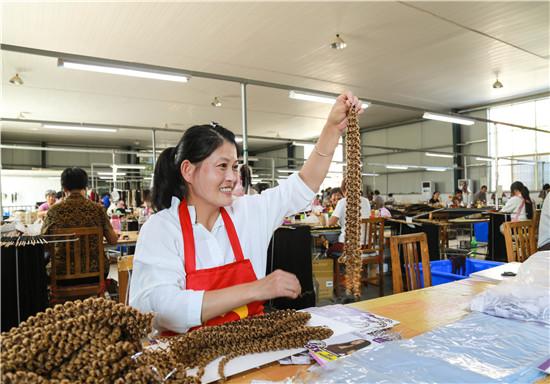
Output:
[[80, 341], [98, 340], [351, 256]]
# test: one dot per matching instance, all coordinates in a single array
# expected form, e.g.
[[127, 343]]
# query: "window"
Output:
[[523, 154], [335, 172]]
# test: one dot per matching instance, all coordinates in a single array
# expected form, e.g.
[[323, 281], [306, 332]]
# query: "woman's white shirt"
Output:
[[512, 207], [340, 213], [158, 278]]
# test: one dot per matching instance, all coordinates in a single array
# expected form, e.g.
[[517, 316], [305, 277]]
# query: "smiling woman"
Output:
[[201, 259]]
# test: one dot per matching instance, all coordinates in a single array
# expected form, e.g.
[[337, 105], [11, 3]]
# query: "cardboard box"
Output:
[[323, 274]]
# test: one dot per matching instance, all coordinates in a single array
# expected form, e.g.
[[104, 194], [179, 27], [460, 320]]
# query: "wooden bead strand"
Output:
[[351, 256]]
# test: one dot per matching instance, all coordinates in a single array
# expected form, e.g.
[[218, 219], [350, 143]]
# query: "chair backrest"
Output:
[[410, 244], [372, 239], [78, 257], [520, 240], [125, 265]]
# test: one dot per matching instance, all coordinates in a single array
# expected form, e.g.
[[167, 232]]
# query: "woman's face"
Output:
[[51, 200], [212, 180], [436, 195]]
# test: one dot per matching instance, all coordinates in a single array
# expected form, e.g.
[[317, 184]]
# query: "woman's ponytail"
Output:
[[528, 203], [167, 181], [519, 186]]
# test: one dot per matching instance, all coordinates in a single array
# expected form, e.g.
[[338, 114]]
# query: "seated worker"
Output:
[[390, 201], [339, 217], [481, 196], [466, 200], [335, 196], [544, 192], [378, 201], [50, 201], [519, 205], [544, 226], [106, 200], [456, 201], [435, 201], [120, 207], [76, 211], [201, 259]]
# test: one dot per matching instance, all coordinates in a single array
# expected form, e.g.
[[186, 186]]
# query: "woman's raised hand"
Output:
[[337, 118]]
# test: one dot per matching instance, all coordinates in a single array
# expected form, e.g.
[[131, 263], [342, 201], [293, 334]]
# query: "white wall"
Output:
[[29, 189], [418, 135]]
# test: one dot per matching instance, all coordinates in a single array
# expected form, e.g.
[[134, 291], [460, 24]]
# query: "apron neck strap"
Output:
[[189, 238]]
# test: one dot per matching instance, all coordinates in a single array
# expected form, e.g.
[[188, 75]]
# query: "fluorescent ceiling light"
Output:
[[448, 118], [526, 162], [287, 170], [370, 174], [105, 178], [128, 166], [431, 154], [484, 159], [436, 169], [69, 127], [317, 98], [111, 174], [397, 167], [125, 71]]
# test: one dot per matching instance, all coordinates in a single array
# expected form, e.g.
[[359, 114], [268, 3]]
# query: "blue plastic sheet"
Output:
[[477, 349]]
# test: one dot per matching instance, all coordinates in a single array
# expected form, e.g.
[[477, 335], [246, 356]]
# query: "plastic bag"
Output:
[[524, 297], [476, 349]]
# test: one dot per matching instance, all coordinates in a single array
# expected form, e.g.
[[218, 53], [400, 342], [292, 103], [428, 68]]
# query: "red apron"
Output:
[[238, 272]]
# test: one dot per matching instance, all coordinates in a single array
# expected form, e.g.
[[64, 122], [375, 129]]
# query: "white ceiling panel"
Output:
[[433, 55]]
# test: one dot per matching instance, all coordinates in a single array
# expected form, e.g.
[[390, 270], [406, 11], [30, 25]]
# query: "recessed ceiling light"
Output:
[[397, 167], [339, 43], [448, 118], [122, 70], [436, 169], [297, 95], [68, 127], [431, 154]]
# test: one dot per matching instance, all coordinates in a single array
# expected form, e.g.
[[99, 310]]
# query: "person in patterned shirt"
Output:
[[77, 211]]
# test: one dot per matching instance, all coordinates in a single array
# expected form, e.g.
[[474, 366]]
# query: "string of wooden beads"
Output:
[[351, 256], [269, 332]]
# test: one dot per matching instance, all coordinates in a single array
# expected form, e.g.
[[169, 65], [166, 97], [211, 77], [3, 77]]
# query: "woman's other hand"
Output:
[[278, 284]]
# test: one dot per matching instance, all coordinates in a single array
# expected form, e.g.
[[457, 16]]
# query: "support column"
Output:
[[153, 136], [458, 173], [244, 123]]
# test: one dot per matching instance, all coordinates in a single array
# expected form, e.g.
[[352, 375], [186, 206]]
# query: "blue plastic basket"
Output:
[[442, 270]]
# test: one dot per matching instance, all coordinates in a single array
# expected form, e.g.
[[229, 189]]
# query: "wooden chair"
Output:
[[410, 244], [78, 257], [520, 240], [125, 265], [372, 251]]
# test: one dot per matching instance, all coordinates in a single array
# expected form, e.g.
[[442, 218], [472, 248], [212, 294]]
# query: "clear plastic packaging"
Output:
[[524, 297], [477, 349]]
